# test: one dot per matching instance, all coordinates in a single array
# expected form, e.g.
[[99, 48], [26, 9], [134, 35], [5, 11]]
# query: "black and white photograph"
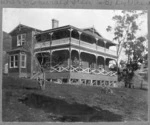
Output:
[[74, 65]]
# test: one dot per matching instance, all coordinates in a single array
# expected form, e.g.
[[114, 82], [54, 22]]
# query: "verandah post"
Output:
[[50, 49], [96, 61], [70, 49], [96, 51], [20, 60], [105, 46], [104, 62], [70, 30], [79, 45]]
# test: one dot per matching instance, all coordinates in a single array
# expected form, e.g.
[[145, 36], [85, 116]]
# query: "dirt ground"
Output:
[[23, 101]]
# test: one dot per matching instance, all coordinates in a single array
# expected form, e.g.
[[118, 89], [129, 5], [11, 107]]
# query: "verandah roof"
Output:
[[72, 27], [19, 49]]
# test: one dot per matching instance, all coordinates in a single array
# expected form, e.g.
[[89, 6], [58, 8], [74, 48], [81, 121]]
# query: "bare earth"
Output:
[[23, 101]]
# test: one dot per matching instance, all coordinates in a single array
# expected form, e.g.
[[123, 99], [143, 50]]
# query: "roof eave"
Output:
[[70, 26], [24, 26], [13, 29]]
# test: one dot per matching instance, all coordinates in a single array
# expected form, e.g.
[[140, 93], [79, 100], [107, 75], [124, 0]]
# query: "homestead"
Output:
[[66, 54]]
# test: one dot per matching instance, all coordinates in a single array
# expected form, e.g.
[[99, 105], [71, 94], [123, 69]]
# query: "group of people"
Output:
[[128, 74]]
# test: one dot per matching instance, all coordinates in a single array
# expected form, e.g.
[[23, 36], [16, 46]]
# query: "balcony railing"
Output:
[[60, 42], [75, 42], [42, 45], [54, 43], [93, 46], [79, 69]]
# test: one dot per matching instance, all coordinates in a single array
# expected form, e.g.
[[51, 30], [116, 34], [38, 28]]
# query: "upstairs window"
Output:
[[14, 61], [21, 39], [23, 60]]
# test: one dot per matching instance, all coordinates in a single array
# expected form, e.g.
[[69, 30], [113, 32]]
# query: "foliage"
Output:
[[125, 33], [127, 25]]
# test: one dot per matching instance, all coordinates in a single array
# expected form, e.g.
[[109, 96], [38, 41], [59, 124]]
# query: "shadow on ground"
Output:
[[60, 110]]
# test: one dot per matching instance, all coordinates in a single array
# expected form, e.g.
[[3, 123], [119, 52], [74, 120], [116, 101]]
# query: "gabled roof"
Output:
[[23, 26], [92, 30]]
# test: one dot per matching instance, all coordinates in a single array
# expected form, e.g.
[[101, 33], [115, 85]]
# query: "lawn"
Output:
[[23, 101]]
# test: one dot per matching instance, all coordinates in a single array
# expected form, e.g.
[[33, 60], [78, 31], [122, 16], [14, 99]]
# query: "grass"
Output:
[[23, 101]]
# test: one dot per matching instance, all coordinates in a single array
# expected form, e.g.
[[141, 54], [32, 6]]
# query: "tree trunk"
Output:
[[43, 85]]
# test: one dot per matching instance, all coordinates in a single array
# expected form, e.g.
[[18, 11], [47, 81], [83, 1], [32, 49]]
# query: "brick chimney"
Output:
[[55, 23]]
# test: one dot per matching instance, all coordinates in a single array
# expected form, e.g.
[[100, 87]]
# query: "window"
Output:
[[14, 61], [21, 39], [23, 60], [11, 61]]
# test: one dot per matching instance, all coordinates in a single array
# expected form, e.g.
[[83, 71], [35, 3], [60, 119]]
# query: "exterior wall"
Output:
[[28, 41], [24, 72], [27, 45], [12, 70], [14, 74], [28, 66], [14, 41]]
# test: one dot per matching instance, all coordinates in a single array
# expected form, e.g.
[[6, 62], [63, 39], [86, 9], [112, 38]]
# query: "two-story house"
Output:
[[66, 54], [76, 56], [20, 56]]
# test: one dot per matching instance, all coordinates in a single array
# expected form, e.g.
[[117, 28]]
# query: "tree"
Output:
[[125, 33], [127, 25]]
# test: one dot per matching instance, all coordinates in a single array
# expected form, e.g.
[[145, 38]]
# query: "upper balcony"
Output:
[[93, 47], [79, 38], [79, 43]]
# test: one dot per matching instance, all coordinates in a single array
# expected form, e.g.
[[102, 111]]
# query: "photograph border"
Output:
[[75, 4]]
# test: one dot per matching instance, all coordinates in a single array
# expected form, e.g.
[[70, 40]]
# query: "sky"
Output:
[[81, 18]]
